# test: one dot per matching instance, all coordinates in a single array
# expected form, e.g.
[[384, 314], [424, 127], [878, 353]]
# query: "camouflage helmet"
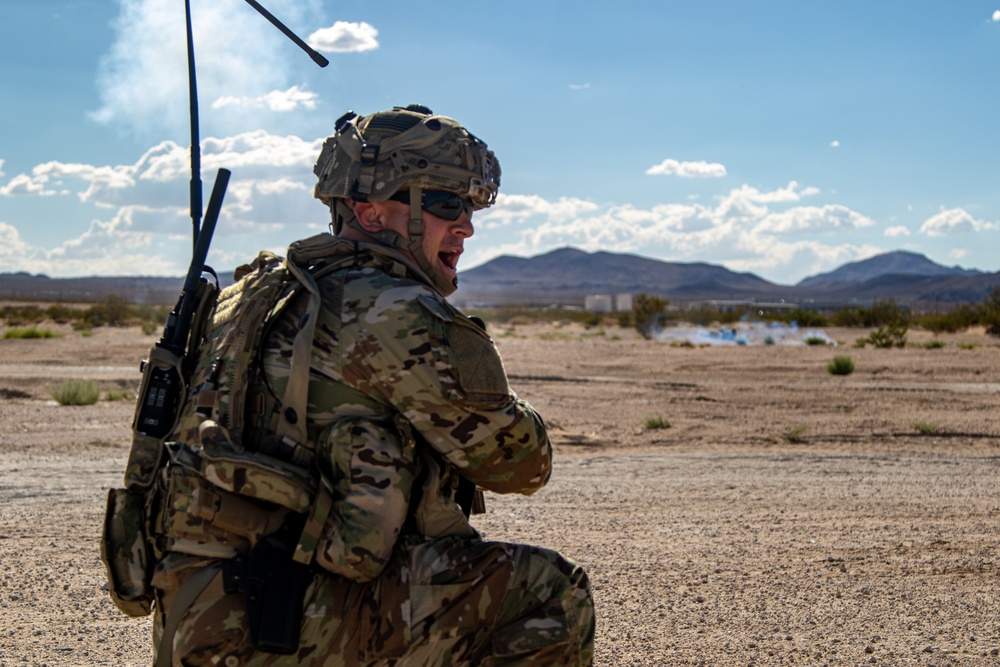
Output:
[[371, 157]]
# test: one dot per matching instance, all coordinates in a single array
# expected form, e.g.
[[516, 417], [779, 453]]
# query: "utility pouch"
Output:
[[125, 552], [274, 588]]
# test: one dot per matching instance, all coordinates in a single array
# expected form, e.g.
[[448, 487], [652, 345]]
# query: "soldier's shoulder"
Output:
[[378, 297]]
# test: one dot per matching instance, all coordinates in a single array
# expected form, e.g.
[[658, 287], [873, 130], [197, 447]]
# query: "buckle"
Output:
[[369, 155]]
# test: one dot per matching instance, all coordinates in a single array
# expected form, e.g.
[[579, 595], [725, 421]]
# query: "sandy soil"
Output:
[[786, 517]]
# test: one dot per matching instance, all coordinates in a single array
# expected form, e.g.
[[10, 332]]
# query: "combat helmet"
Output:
[[371, 158]]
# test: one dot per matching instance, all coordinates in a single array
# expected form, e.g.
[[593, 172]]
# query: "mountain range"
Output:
[[568, 275]]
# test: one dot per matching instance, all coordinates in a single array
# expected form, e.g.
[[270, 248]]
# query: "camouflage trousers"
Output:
[[446, 602]]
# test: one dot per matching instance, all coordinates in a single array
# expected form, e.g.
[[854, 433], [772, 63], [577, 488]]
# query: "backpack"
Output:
[[207, 439]]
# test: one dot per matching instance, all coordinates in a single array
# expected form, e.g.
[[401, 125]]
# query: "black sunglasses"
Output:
[[440, 203]]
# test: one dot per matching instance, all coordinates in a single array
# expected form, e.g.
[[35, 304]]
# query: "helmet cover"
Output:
[[370, 158]]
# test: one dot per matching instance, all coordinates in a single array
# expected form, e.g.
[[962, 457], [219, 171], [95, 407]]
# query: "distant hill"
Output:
[[138, 289], [899, 262], [568, 275]]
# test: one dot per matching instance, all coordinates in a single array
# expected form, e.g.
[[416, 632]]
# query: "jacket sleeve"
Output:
[[372, 481], [444, 374]]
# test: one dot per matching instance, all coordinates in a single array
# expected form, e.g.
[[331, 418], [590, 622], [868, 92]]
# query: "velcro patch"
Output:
[[480, 370]]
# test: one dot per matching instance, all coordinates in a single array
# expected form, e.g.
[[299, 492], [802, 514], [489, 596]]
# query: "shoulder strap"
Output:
[[307, 260]]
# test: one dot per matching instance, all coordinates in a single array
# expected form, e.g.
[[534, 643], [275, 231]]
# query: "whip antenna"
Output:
[[315, 55], [196, 192], [195, 195]]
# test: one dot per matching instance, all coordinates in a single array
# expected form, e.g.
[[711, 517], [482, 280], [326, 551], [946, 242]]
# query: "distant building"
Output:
[[605, 303], [597, 303], [623, 302]]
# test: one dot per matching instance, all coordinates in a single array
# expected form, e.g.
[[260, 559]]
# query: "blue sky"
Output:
[[784, 138]]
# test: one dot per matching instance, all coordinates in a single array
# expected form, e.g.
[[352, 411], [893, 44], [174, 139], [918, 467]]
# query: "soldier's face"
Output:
[[443, 239]]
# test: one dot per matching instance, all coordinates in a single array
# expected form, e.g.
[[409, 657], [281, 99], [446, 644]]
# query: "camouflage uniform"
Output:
[[404, 394]]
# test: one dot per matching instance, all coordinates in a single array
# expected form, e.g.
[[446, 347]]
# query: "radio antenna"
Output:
[[196, 192]]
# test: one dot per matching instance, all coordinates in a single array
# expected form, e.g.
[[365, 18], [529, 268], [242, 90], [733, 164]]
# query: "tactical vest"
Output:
[[208, 475]]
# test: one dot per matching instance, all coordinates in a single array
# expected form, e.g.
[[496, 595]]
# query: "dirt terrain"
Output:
[[785, 517]]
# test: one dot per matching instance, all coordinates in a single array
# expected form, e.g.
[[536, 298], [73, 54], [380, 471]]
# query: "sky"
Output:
[[778, 137]]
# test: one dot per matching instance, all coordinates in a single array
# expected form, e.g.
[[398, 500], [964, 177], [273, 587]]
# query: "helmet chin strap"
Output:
[[414, 245]]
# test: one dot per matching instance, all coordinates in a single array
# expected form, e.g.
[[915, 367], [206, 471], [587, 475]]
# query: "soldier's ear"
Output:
[[368, 216]]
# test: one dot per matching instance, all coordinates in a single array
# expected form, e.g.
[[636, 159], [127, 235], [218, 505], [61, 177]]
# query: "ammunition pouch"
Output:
[[198, 518], [126, 553]]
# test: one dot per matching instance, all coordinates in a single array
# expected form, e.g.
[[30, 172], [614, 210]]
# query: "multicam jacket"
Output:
[[405, 393]]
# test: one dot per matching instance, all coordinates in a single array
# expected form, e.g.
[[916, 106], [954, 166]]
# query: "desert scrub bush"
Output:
[[840, 365], [893, 335], [62, 314], [967, 346], [959, 318], [118, 395], [935, 344], [551, 336], [806, 318], [797, 434], [17, 316], [816, 340], [77, 392], [652, 423], [860, 342], [29, 332], [926, 428], [509, 333], [647, 312]]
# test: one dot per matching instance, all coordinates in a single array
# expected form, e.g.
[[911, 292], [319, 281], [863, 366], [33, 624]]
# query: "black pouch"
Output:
[[274, 588]]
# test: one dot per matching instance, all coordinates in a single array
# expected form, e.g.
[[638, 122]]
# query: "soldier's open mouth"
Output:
[[450, 258]]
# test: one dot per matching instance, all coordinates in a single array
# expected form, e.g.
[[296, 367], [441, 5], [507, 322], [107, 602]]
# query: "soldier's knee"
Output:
[[556, 610]]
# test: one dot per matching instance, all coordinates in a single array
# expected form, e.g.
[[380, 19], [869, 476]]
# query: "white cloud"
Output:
[[345, 37], [142, 79], [1, 167], [958, 254], [996, 16], [701, 169], [276, 100], [22, 184], [746, 229], [751, 203], [144, 224], [813, 219], [105, 248], [834, 144], [897, 231], [12, 247], [954, 221], [514, 209], [579, 86]]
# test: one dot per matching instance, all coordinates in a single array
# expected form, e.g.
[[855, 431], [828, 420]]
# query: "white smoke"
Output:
[[744, 333]]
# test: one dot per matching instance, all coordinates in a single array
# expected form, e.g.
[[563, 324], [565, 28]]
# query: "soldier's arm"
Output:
[[372, 480], [445, 375]]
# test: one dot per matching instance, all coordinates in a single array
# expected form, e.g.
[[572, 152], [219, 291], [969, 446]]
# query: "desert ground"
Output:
[[780, 515]]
